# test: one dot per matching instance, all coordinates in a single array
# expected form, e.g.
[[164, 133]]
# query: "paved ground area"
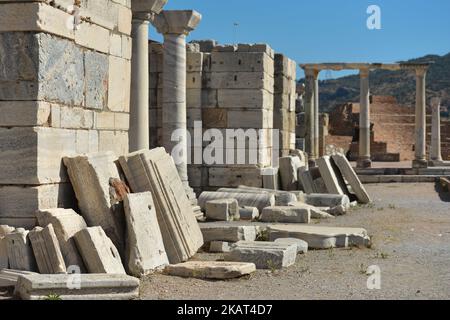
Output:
[[410, 226], [377, 165]]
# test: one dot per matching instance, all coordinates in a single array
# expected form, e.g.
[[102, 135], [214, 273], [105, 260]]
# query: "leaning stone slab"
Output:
[[9, 277], [66, 223], [230, 233], [155, 171], [258, 200], [222, 210], [78, 287], [4, 230], [288, 169], [319, 237], [349, 174], [324, 200], [302, 246], [145, 248], [20, 254], [265, 255], [98, 252], [316, 213], [219, 247], [305, 180], [211, 269], [90, 176], [46, 250], [288, 214], [334, 183], [249, 213]]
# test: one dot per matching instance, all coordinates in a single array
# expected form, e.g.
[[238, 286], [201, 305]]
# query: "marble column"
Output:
[[364, 160], [175, 25], [143, 11], [435, 151], [316, 114], [309, 102], [420, 128]]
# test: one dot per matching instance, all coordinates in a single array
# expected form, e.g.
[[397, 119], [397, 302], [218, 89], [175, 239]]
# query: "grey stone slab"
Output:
[[78, 287], [334, 183], [66, 223], [265, 255], [288, 170], [231, 233], [282, 198], [305, 180], [90, 176], [155, 171], [219, 246], [4, 262], [9, 277], [324, 200], [144, 247], [319, 237], [287, 214], [20, 254], [249, 213], [302, 246], [316, 212], [47, 252], [211, 269], [96, 67], [98, 252], [222, 210], [258, 200]]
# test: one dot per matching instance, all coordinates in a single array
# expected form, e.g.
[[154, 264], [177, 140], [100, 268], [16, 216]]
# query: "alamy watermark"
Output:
[[374, 19], [374, 280]]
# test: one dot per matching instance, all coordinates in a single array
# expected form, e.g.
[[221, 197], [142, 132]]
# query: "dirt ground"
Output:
[[410, 228]]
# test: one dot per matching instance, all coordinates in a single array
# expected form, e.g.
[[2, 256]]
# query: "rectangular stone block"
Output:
[[81, 287], [24, 113], [214, 117], [9, 277], [93, 37], [47, 251], [241, 62], [258, 200], [222, 210], [270, 178], [245, 98], [219, 247], [288, 170], [286, 215], [230, 233], [265, 255], [66, 223], [90, 176], [234, 176], [210, 269], [98, 251], [257, 119], [144, 246], [119, 84], [240, 80], [20, 254], [96, 71], [333, 182]]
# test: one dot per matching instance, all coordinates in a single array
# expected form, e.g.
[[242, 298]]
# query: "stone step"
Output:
[[211, 269]]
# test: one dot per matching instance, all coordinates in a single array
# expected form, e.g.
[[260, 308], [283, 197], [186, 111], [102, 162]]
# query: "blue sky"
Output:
[[326, 30]]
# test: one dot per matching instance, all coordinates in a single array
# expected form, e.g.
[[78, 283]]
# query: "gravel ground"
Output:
[[410, 228]]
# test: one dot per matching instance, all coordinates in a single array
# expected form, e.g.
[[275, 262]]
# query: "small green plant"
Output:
[[263, 235], [331, 252], [271, 266], [52, 296], [392, 206], [382, 255], [370, 205], [380, 209], [362, 268]]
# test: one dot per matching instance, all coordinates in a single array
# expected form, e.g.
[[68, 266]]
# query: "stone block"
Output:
[[240, 80], [4, 262], [319, 237], [144, 246], [245, 119], [324, 200], [257, 47], [214, 118], [265, 255], [302, 246], [24, 113], [96, 71], [92, 36], [234, 176], [211, 269], [286, 215], [241, 62], [270, 178], [219, 247], [47, 251], [244, 98], [229, 233], [78, 287], [194, 62], [9, 277], [20, 254], [333, 182], [259, 201], [222, 210], [288, 170], [249, 213], [66, 223], [316, 212], [119, 84], [306, 182], [90, 177], [98, 252]]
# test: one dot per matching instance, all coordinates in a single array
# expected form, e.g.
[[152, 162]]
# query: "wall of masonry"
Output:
[[62, 91], [231, 87]]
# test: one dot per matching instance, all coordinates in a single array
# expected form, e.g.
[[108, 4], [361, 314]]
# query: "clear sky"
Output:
[[326, 30]]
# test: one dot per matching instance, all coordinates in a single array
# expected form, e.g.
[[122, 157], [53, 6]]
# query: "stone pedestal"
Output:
[[175, 26], [364, 160], [420, 129]]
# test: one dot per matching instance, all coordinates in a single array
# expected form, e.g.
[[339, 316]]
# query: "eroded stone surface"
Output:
[[20, 254], [222, 210], [302, 246], [211, 269], [288, 214], [231, 233], [46, 250]]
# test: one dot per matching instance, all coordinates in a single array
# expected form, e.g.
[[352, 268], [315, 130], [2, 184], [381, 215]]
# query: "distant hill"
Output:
[[400, 84]]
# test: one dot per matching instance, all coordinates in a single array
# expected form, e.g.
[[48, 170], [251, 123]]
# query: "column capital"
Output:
[[364, 72], [311, 72], [421, 71], [435, 102], [180, 22], [146, 9]]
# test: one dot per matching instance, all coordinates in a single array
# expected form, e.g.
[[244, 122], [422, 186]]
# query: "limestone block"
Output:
[[302, 246], [248, 213], [219, 247], [337, 210], [230, 233], [265, 255], [286, 215], [305, 180], [316, 212], [319, 237], [147, 6], [240, 80], [124, 20], [270, 178], [222, 210], [349, 174], [257, 119], [96, 68], [9, 277], [92, 36], [90, 175], [234, 176], [241, 62], [259, 201], [78, 287], [24, 113], [194, 61], [244, 98], [334, 183], [288, 168], [285, 66], [20, 254], [4, 262], [319, 184], [144, 247], [47, 252], [194, 80], [282, 198], [98, 252], [324, 200], [155, 171], [211, 269], [119, 84], [75, 118], [66, 223], [214, 117]]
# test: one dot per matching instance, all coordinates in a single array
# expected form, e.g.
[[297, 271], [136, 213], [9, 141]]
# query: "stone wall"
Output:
[[231, 87], [63, 90]]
